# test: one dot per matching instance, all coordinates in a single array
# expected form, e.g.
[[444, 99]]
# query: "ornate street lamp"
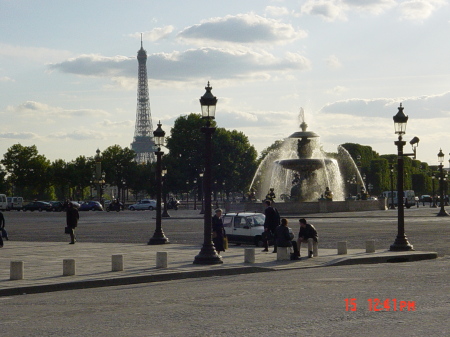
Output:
[[401, 242], [208, 254], [391, 172], [158, 237], [442, 212]]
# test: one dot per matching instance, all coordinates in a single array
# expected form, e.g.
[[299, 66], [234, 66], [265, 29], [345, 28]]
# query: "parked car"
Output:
[[149, 204], [244, 228], [37, 206], [14, 203], [91, 206], [57, 206], [426, 198]]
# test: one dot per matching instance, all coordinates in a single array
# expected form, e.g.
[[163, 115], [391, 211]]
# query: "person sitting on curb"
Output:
[[307, 234], [285, 238]]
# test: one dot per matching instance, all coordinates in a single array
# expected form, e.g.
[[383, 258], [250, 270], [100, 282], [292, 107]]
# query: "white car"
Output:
[[244, 228], [143, 204]]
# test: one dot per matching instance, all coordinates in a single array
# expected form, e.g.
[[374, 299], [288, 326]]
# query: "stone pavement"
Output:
[[43, 264]]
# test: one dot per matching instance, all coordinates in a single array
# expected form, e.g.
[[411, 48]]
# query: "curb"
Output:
[[119, 281]]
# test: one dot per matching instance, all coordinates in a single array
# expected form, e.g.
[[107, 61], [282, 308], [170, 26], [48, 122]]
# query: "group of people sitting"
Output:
[[282, 236]]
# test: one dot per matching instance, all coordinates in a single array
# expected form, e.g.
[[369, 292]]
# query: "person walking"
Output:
[[308, 234], [270, 224], [72, 217], [218, 231]]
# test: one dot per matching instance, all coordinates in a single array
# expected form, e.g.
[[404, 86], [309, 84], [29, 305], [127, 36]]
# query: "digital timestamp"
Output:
[[376, 304]]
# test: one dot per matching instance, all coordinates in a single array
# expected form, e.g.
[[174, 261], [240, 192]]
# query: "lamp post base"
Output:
[[158, 239], [208, 255], [165, 214], [442, 212], [401, 244]]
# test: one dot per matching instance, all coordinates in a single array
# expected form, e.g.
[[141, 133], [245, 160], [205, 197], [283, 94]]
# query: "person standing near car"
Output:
[[72, 217], [218, 231], [270, 224]]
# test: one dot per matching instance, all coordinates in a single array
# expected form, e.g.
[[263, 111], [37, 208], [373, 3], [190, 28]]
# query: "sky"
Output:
[[69, 73]]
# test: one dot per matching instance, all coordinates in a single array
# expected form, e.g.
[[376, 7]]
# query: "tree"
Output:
[[116, 161], [233, 158], [29, 171]]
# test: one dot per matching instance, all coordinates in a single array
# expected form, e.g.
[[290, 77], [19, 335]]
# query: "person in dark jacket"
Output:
[[270, 224], [72, 217], [284, 237], [308, 234], [218, 231]]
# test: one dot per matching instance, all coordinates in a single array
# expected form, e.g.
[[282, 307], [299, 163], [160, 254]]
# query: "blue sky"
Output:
[[68, 70]]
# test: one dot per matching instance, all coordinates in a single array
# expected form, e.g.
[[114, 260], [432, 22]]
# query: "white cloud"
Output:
[[419, 10], [6, 79], [241, 29], [18, 135], [425, 107], [107, 123], [276, 11], [42, 110], [333, 62], [372, 6], [328, 10], [155, 34], [192, 63]]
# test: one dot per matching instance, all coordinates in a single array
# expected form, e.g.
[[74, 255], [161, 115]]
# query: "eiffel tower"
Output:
[[143, 143]]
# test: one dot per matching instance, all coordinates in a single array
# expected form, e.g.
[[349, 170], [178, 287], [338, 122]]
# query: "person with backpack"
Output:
[[270, 224]]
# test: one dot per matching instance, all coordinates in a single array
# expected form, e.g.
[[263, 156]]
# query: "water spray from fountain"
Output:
[[300, 170]]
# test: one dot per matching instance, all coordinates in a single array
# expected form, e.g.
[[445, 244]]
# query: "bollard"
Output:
[[283, 253], [249, 255], [16, 270], [161, 259], [68, 267], [117, 262], [370, 246], [342, 247]]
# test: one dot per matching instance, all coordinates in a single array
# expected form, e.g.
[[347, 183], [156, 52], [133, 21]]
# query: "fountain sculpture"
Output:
[[300, 170]]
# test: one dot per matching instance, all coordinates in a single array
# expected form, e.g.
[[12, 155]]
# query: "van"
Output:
[[14, 203], [409, 198], [3, 202]]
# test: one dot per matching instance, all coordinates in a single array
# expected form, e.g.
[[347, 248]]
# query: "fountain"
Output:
[[299, 170]]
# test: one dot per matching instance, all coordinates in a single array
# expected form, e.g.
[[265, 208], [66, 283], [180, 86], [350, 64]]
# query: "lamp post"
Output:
[[158, 237], [391, 171], [401, 242], [442, 212], [202, 193], [195, 194], [208, 254], [187, 194], [433, 178]]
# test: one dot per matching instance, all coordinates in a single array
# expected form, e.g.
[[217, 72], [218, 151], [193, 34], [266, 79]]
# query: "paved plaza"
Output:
[[306, 297]]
